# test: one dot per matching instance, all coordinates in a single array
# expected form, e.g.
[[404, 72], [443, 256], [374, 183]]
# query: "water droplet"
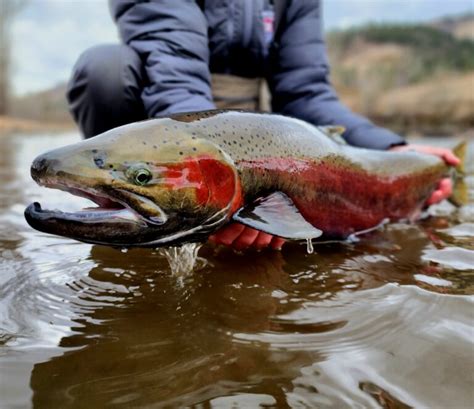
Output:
[[124, 250], [309, 246]]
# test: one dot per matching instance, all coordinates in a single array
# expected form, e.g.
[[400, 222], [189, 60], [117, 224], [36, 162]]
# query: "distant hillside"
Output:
[[459, 26], [429, 50], [374, 63]]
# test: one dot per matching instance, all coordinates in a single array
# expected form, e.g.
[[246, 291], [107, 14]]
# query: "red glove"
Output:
[[241, 237]]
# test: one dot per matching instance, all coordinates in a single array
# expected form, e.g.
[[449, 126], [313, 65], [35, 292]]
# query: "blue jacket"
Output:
[[182, 41]]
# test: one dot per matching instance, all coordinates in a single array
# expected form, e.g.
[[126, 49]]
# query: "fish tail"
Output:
[[460, 151], [460, 195]]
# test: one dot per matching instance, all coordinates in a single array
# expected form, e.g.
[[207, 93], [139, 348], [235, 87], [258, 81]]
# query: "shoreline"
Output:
[[11, 125]]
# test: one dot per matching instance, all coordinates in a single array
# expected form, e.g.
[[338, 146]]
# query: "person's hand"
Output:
[[445, 186], [241, 237]]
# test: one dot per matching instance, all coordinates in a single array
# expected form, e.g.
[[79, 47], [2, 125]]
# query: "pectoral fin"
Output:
[[276, 214]]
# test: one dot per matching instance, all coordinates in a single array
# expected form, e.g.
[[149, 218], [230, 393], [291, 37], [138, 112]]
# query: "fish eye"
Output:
[[139, 176]]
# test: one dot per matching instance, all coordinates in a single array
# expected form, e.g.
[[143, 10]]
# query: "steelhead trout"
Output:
[[174, 180]]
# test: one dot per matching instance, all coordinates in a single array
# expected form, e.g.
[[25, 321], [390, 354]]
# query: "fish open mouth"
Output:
[[89, 214], [107, 208], [111, 222]]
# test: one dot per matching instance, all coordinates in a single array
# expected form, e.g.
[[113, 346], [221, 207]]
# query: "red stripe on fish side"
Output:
[[214, 181], [339, 199], [184, 174], [224, 187]]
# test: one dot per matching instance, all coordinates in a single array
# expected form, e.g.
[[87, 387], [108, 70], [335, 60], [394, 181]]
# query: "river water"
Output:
[[385, 322]]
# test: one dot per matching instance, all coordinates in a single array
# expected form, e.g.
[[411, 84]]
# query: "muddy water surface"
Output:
[[385, 322]]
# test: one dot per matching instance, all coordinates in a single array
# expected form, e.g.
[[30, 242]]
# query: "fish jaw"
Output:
[[102, 226], [112, 227], [113, 222]]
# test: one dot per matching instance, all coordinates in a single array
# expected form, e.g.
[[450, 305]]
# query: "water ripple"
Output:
[[396, 335]]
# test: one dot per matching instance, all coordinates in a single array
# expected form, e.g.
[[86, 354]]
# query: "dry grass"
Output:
[[465, 30], [440, 101]]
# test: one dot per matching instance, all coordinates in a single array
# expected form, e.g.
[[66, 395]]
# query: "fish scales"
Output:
[[338, 188]]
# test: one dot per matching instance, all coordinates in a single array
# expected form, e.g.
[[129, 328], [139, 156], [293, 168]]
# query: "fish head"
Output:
[[152, 187]]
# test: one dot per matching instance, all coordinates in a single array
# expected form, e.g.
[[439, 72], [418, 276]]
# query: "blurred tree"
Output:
[[8, 10]]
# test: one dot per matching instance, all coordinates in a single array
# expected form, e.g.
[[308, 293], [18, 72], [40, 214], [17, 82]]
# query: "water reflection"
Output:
[[154, 340], [251, 325]]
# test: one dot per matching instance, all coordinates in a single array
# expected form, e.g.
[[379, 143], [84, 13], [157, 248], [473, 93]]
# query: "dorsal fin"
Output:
[[334, 132]]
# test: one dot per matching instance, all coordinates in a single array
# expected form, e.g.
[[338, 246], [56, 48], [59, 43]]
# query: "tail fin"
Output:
[[460, 151], [460, 194]]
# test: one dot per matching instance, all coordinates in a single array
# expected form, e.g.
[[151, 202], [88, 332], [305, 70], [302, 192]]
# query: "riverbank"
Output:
[[10, 125]]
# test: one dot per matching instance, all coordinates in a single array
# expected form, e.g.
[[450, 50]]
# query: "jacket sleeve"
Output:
[[171, 39], [299, 78]]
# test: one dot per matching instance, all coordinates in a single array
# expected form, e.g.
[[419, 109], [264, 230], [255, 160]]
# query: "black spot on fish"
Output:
[[144, 143], [181, 153], [194, 149], [99, 162], [94, 150], [111, 166], [154, 146]]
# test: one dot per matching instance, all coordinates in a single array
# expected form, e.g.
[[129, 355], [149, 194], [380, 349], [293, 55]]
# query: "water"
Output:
[[382, 322]]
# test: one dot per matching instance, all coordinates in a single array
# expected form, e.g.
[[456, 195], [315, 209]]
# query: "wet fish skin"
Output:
[[204, 166]]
